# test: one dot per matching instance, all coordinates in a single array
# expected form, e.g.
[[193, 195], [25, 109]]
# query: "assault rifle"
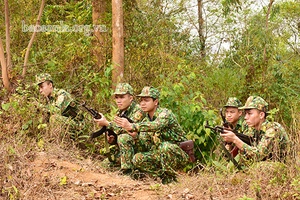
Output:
[[219, 129], [104, 129]]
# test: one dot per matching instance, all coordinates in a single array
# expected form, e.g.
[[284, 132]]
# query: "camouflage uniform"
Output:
[[127, 145], [165, 156], [241, 125], [236, 103], [272, 139], [62, 107]]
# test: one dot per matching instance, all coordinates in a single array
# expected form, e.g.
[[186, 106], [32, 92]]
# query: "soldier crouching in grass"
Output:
[[165, 156], [234, 116], [122, 145], [270, 138], [61, 107]]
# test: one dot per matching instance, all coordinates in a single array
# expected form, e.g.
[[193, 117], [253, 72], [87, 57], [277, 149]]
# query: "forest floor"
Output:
[[63, 176], [56, 173], [33, 169]]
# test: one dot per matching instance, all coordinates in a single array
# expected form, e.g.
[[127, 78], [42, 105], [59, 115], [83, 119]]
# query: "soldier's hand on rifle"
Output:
[[123, 122], [110, 139], [102, 121], [133, 134], [228, 136]]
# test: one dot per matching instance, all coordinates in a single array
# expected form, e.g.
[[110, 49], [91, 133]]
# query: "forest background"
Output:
[[198, 53]]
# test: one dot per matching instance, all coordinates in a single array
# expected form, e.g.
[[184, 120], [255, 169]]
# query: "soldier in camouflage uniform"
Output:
[[127, 142], [165, 156], [270, 137], [60, 105], [234, 116]]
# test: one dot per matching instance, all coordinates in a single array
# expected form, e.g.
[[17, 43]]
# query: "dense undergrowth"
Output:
[[25, 133], [261, 61]]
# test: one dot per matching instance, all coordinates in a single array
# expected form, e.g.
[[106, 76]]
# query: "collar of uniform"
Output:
[[156, 113], [264, 125], [239, 123], [128, 110], [52, 97]]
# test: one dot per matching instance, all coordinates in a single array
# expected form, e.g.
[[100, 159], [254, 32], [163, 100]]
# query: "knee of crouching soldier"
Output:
[[137, 159], [165, 147], [124, 138]]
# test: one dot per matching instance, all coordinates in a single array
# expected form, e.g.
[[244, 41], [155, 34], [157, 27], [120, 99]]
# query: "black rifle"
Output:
[[96, 115], [219, 129], [104, 129]]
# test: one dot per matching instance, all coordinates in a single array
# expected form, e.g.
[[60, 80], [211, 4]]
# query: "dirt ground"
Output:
[[56, 173], [67, 178]]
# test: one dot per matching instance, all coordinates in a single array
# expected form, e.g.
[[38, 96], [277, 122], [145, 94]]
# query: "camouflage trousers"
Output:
[[113, 159], [164, 159], [129, 146]]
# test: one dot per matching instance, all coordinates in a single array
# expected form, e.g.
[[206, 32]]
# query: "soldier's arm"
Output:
[[160, 122], [137, 116], [264, 146]]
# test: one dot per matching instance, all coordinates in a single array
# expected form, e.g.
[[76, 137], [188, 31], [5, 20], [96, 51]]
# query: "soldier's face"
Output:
[[254, 118], [232, 114], [46, 88], [123, 101], [148, 104]]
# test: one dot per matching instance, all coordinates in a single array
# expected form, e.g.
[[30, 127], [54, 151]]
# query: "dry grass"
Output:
[[47, 165]]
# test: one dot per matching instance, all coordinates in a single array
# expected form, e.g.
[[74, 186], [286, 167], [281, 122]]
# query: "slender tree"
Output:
[[118, 41], [100, 36], [5, 64], [6, 82], [32, 38], [201, 29], [7, 33]]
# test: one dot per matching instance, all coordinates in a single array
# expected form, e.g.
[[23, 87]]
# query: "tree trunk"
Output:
[[7, 37], [118, 42], [267, 26], [100, 36], [201, 29], [32, 38], [6, 82]]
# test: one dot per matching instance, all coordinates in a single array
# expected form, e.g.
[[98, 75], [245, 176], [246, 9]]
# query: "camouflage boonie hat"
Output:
[[42, 78], [149, 92], [123, 88], [233, 102], [257, 103]]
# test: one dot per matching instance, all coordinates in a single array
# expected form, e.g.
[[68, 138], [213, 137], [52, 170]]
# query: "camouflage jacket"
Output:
[[164, 127], [61, 102], [133, 112], [271, 142]]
